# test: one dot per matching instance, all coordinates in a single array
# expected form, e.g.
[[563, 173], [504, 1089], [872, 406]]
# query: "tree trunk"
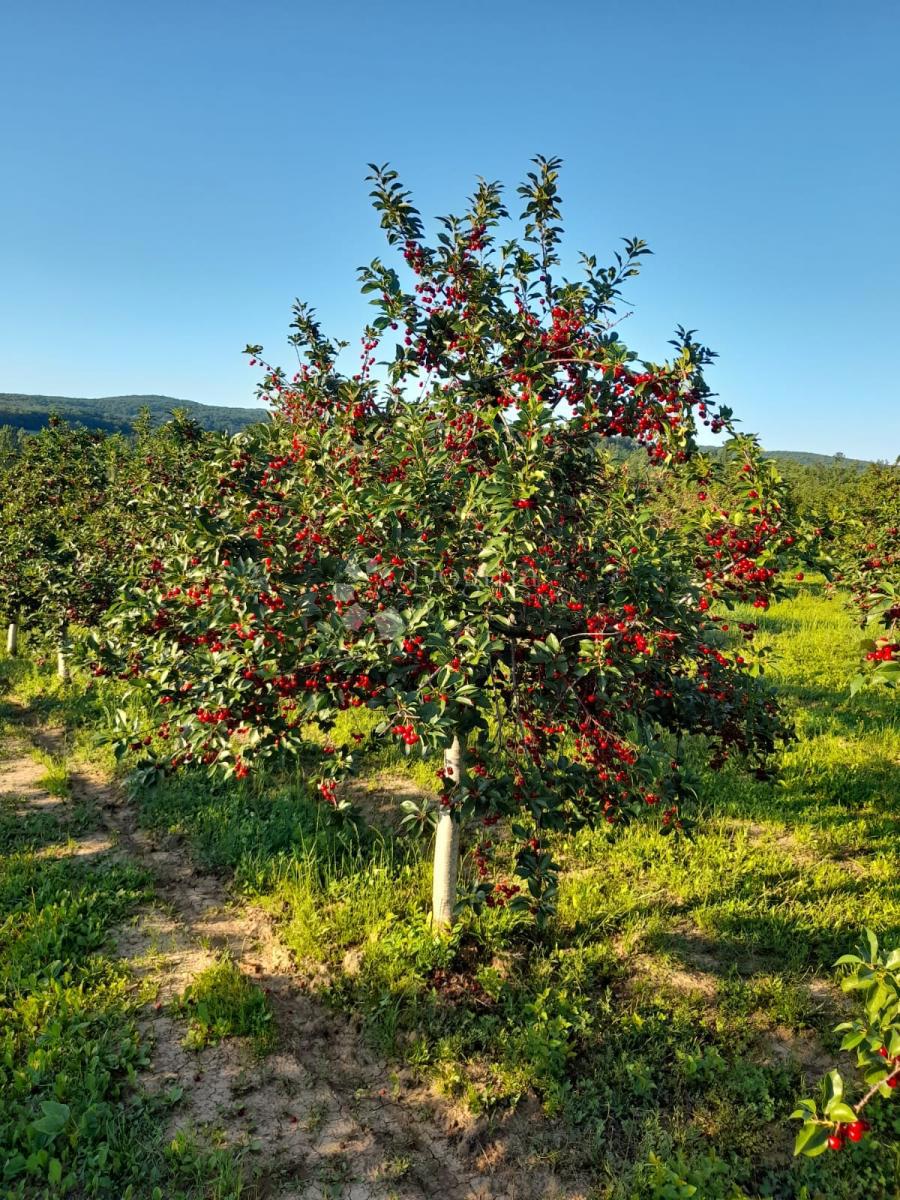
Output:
[[12, 639], [62, 656], [446, 846]]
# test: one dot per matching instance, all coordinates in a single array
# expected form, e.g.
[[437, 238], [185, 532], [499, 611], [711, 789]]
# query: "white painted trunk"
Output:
[[12, 639], [62, 657], [446, 847]]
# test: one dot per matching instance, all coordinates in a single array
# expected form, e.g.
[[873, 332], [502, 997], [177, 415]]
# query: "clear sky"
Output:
[[173, 174]]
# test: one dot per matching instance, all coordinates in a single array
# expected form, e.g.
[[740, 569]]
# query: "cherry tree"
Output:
[[78, 508], [438, 533]]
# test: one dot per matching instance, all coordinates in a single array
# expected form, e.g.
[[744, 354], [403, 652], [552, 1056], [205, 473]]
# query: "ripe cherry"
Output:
[[855, 1131], [835, 1142]]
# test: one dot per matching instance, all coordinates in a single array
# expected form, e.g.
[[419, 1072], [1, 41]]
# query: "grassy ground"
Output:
[[668, 1016], [73, 1118]]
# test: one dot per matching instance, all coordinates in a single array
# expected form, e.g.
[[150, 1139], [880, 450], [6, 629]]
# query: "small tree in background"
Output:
[[57, 550], [78, 509], [159, 486], [869, 559], [9, 444], [440, 536]]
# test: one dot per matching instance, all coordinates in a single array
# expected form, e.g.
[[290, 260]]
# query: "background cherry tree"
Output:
[[868, 555], [58, 546], [79, 509]]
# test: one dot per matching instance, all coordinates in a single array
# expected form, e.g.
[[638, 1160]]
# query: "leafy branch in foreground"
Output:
[[876, 1039]]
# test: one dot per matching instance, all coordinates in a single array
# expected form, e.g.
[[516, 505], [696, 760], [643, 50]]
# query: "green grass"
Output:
[[670, 1014], [55, 779], [74, 1120], [221, 1002], [68, 1044]]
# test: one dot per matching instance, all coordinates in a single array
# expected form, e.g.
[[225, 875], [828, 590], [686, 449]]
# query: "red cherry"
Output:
[[855, 1131], [799, 576], [835, 1142]]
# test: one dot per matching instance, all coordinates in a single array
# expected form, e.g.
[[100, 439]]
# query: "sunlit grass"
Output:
[[55, 779]]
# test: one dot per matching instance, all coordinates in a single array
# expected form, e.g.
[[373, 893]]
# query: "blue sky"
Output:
[[174, 174]]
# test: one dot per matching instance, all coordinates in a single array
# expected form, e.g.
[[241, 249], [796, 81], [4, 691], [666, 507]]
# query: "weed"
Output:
[[223, 1003], [55, 779]]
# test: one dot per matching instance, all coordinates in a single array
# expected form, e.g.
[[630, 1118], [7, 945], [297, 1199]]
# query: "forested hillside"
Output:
[[117, 414], [626, 447]]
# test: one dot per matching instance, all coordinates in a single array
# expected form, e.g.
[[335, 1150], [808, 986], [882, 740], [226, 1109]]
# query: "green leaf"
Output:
[[839, 1111], [834, 1087], [872, 942], [54, 1119], [852, 1040], [853, 983], [811, 1140], [806, 1110]]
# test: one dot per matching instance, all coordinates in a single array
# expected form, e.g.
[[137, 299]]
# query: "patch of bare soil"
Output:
[[801, 1048], [645, 969], [328, 1117], [94, 846], [802, 855], [376, 797], [20, 784]]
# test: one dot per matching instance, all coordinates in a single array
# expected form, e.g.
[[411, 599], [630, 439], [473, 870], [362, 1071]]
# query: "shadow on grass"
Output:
[[38, 831], [765, 943], [814, 796]]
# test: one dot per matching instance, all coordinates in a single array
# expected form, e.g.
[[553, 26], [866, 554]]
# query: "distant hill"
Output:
[[807, 458], [117, 414]]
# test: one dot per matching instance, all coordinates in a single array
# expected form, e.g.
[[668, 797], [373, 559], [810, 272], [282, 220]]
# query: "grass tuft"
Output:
[[223, 1003]]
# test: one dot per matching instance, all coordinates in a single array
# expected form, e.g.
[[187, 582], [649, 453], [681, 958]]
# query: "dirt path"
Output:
[[325, 1117]]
